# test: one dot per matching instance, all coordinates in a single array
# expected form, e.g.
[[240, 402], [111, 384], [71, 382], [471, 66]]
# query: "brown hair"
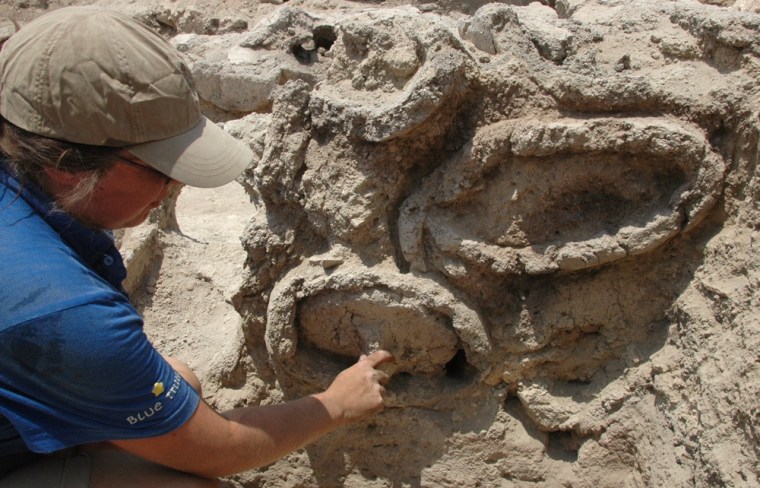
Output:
[[27, 155]]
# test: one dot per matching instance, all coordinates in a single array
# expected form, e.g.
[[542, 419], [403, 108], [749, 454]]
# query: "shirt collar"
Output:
[[96, 247]]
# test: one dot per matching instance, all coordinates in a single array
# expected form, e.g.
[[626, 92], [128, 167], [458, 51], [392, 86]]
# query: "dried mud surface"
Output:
[[547, 211]]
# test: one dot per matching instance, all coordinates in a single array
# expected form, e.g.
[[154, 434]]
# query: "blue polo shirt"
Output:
[[75, 364]]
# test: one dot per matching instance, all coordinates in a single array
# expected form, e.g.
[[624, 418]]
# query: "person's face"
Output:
[[126, 194]]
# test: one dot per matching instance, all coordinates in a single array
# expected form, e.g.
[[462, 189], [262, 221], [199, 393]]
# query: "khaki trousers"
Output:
[[71, 470]]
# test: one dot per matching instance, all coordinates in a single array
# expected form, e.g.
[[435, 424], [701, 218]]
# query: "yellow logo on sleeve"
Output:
[[158, 388]]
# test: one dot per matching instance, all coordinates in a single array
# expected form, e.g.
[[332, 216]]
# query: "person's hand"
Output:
[[358, 391]]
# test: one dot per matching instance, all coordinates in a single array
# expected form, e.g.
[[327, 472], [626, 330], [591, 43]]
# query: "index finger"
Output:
[[379, 357]]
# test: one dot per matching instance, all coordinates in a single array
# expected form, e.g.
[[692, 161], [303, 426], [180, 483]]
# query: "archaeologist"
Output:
[[99, 120]]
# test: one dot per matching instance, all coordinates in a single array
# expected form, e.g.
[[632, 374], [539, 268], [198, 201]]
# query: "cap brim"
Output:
[[205, 156]]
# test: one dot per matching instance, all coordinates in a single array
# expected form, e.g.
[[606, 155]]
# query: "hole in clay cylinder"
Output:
[[563, 446], [458, 368], [324, 37], [322, 40], [304, 54]]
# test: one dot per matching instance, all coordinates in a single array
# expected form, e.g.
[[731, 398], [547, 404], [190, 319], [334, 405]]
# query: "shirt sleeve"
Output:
[[88, 374]]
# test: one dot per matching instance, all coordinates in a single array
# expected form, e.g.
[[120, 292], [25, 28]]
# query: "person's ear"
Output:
[[61, 177]]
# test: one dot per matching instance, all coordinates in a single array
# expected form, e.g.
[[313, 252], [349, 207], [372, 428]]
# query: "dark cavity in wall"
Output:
[[563, 446], [458, 368], [322, 40]]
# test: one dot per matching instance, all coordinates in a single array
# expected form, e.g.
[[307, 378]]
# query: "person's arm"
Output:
[[212, 444]]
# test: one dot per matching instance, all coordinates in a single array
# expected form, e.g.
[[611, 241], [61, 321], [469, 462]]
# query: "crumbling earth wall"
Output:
[[548, 215], [547, 212]]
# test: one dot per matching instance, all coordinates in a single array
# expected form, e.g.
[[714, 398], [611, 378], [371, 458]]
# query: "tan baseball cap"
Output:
[[98, 77]]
